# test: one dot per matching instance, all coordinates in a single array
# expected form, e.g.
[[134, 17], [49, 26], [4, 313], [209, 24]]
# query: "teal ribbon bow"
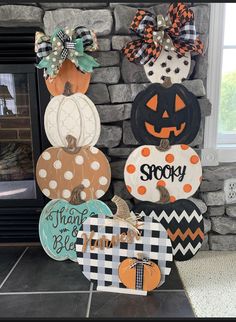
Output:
[[64, 44]]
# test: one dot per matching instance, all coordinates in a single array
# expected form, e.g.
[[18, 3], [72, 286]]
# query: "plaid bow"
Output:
[[176, 32], [66, 44]]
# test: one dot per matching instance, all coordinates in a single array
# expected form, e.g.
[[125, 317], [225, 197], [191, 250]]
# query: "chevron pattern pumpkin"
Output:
[[182, 220]]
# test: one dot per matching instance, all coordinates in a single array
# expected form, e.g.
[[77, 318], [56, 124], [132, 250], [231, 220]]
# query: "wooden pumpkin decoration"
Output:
[[103, 243], [178, 169], [74, 115], [168, 64], [167, 111], [140, 274], [60, 170], [60, 222], [183, 221], [68, 73]]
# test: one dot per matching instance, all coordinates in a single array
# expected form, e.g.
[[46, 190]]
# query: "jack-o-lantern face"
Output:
[[160, 112]]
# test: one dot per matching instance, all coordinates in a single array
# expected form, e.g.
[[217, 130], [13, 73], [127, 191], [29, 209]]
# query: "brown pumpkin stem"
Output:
[[164, 195], [122, 207], [164, 145], [76, 195], [71, 147], [67, 89], [167, 82], [123, 213]]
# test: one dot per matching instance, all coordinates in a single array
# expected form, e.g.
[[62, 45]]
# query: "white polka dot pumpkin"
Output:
[[169, 64], [59, 172], [177, 169]]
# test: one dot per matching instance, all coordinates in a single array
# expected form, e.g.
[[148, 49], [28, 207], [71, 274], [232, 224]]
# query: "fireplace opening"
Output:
[[23, 98], [16, 160]]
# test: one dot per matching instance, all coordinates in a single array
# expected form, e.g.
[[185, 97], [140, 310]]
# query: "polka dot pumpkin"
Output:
[[59, 172], [178, 170], [168, 64]]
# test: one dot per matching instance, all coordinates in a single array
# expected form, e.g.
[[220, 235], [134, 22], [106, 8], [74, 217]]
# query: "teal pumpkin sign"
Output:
[[60, 222]]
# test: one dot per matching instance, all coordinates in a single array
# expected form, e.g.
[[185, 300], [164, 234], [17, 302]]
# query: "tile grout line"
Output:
[[44, 292], [14, 266], [89, 300], [72, 292]]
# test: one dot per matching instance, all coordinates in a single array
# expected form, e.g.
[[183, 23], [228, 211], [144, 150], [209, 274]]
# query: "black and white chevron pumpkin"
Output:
[[182, 220]]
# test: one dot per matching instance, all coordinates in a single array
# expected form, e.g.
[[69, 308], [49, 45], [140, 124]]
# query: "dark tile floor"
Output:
[[32, 285]]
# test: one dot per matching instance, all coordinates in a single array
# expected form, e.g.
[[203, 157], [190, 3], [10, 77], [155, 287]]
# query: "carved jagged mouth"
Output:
[[165, 132]]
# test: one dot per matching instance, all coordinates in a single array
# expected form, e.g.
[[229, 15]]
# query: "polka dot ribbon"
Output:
[[176, 32], [160, 36], [66, 44]]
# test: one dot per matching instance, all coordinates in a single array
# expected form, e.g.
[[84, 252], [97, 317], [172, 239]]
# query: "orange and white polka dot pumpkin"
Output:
[[58, 172], [178, 169]]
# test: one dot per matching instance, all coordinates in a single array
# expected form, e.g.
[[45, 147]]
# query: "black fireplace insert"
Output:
[[23, 98]]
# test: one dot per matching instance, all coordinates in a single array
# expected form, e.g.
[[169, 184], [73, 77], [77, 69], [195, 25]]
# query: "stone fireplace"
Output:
[[113, 87]]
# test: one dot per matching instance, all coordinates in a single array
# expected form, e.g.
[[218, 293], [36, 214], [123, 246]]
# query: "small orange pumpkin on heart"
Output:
[[139, 274]]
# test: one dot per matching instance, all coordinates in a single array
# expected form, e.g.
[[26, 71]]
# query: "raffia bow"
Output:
[[66, 44], [123, 214], [176, 32]]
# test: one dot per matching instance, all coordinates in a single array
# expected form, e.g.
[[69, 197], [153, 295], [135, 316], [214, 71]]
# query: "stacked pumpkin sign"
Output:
[[73, 172], [166, 117]]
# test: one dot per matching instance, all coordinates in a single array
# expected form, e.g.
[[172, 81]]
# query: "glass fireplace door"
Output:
[[19, 136]]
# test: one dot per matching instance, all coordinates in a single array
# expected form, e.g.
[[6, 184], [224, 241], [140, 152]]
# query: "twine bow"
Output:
[[66, 44], [176, 32]]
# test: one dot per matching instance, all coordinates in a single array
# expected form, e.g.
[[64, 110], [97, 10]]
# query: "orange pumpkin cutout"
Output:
[[68, 73], [139, 275]]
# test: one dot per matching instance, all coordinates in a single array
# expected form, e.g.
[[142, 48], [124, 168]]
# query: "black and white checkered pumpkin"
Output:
[[101, 265]]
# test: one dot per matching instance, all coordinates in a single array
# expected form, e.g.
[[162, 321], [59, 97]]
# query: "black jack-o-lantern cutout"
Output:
[[183, 221], [165, 112]]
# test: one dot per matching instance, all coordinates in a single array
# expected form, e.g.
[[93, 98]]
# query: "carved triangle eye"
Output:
[[152, 103], [179, 103]]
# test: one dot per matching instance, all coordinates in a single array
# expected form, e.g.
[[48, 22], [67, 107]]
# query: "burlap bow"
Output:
[[66, 44], [176, 32]]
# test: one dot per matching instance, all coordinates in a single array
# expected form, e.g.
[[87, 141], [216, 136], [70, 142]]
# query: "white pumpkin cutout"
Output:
[[168, 64], [74, 115], [178, 169]]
